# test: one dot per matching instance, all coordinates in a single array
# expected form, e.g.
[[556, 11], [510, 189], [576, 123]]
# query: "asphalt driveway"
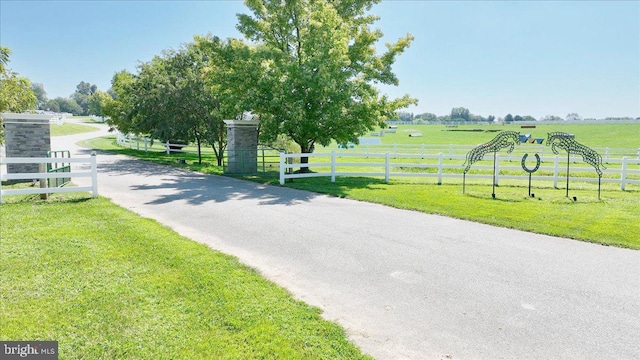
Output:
[[405, 285]]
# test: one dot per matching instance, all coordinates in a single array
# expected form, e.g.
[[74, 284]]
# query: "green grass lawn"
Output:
[[70, 129], [108, 143], [108, 284], [592, 135], [613, 220]]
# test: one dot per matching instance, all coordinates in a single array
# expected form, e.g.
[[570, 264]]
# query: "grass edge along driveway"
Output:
[[112, 285], [611, 220]]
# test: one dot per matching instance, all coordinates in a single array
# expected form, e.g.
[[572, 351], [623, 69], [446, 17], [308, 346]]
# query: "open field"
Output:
[[592, 135], [70, 129], [112, 285]]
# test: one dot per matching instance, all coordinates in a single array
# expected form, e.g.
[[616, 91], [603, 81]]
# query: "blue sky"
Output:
[[492, 57]]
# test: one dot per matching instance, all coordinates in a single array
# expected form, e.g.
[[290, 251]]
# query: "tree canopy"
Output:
[[15, 91], [97, 101], [311, 76], [41, 95], [460, 114], [319, 68], [183, 95], [82, 96]]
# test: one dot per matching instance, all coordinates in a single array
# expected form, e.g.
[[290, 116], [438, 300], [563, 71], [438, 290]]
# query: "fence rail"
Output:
[[266, 158], [144, 143], [384, 161], [43, 175], [387, 165], [451, 150], [57, 120]]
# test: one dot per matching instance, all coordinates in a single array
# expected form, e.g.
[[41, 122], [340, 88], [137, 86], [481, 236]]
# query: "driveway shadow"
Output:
[[196, 188]]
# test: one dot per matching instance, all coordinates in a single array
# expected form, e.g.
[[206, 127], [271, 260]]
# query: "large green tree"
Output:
[[96, 102], [508, 118], [15, 91], [183, 95], [121, 108], [41, 95], [460, 114], [229, 73], [82, 95], [66, 105], [319, 68]]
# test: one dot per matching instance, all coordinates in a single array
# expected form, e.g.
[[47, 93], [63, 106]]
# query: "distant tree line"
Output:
[[457, 114], [86, 100], [461, 115]]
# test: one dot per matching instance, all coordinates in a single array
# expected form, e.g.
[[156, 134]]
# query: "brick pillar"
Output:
[[26, 135], [242, 146]]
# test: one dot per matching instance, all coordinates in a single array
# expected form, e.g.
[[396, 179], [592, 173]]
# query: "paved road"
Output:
[[405, 285]]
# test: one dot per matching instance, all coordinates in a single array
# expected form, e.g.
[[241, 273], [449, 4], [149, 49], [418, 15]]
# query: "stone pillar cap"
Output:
[[242, 122], [7, 117]]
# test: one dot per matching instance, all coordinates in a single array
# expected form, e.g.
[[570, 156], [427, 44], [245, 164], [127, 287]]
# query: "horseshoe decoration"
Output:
[[530, 171], [524, 165]]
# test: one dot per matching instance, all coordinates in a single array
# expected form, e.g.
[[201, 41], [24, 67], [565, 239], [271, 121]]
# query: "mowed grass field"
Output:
[[108, 284], [610, 220], [70, 129], [592, 135]]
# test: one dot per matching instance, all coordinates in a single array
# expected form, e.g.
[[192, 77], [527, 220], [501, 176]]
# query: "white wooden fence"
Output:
[[451, 149], [388, 163], [92, 172], [57, 120], [146, 144]]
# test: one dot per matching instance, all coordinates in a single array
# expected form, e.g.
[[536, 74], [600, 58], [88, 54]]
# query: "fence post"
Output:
[[145, 144], [138, 143], [555, 172], [282, 168], [423, 151], [333, 166], [606, 154], [94, 174], [1, 162], [623, 173], [440, 162], [638, 153], [450, 149], [42, 168], [497, 170], [386, 167], [168, 149]]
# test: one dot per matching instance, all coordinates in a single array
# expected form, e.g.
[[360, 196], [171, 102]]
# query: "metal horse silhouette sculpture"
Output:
[[567, 142], [503, 140]]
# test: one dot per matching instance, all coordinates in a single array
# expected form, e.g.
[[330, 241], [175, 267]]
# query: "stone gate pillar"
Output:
[[242, 146], [26, 135]]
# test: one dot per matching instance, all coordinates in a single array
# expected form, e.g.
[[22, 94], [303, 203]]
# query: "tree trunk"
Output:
[[199, 150], [218, 144], [303, 161], [306, 149]]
